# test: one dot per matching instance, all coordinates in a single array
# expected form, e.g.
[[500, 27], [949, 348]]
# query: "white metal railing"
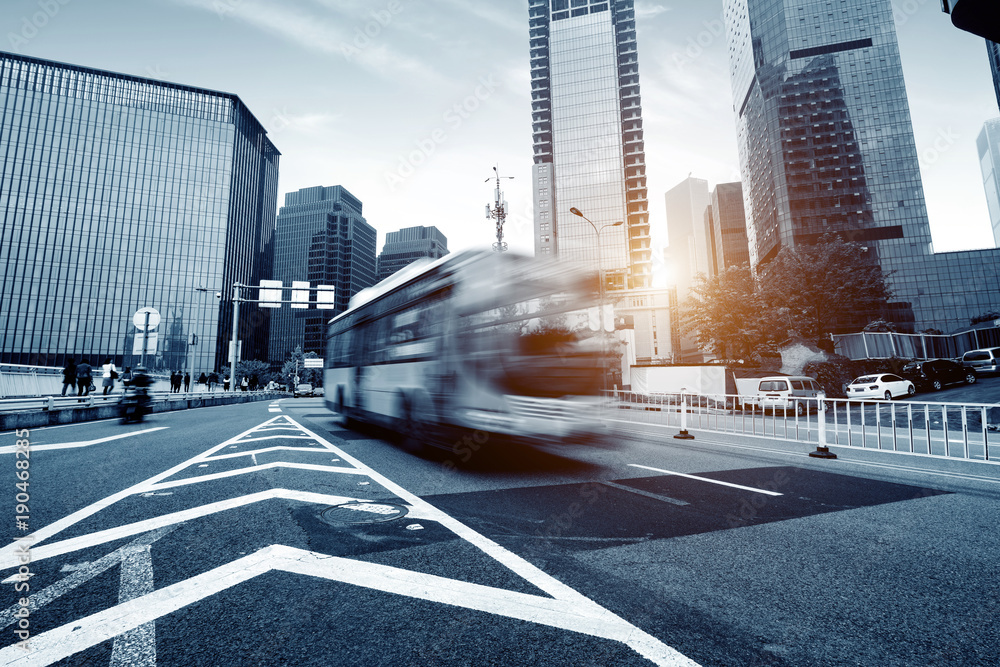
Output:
[[945, 430], [35, 403]]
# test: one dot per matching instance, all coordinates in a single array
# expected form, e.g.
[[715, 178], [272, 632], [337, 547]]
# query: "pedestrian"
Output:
[[203, 381], [175, 381], [254, 382], [127, 376], [244, 383], [69, 376], [83, 378], [225, 384], [108, 374], [187, 383], [213, 379]]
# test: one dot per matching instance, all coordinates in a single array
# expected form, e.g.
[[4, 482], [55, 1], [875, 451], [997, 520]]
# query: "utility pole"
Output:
[[499, 211]]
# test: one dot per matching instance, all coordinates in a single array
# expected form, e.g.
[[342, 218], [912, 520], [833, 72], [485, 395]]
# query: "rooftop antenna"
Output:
[[498, 212]]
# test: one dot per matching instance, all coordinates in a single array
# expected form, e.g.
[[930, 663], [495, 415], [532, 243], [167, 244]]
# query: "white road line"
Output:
[[266, 449], [276, 437], [590, 619], [137, 647], [257, 468], [92, 539], [706, 479], [83, 443]]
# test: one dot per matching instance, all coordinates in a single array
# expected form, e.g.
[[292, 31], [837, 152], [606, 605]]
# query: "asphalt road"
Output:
[[262, 534]]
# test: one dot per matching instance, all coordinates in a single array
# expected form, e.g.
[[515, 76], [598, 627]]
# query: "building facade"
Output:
[[406, 246], [688, 230], [588, 138], [993, 52], [729, 225], [321, 238], [826, 145], [120, 192]]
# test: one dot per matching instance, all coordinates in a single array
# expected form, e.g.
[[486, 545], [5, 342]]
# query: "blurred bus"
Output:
[[475, 342]]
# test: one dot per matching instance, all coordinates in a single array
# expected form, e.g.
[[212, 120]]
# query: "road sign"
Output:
[[150, 343], [310, 362], [139, 319], [270, 294]]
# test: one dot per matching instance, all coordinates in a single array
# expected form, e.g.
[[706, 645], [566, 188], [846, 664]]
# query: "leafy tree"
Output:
[[823, 283], [725, 314], [313, 376], [251, 367]]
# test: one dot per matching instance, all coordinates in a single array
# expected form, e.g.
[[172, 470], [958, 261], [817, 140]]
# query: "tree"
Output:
[[725, 314], [249, 368], [294, 365], [823, 283]]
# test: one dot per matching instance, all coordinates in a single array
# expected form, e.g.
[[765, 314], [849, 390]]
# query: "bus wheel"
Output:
[[411, 428]]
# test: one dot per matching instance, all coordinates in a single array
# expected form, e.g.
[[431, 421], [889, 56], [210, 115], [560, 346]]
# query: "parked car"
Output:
[[797, 393], [881, 385], [986, 360], [934, 374], [304, 389]]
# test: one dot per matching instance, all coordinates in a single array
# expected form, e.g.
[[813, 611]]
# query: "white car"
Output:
[[881, 385]]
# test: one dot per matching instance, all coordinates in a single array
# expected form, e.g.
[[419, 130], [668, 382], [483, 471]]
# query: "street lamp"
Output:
[[600, 272]]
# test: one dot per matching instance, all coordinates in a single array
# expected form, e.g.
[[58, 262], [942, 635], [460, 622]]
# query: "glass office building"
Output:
[[729, 226], [324, 225], [120, 192], [826, 145], [406, 246], [988, 147], [588, 138]]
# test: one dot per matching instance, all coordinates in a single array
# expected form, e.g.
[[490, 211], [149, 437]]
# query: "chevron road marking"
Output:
[[562, 607], [83, 443]]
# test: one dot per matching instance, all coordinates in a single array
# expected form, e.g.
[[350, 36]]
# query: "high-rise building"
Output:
[[730, 226], [687, 232], [588, 139], [993, 51], [406, 246], [826, 145], [321, 238], [120, 192], [988, 147]]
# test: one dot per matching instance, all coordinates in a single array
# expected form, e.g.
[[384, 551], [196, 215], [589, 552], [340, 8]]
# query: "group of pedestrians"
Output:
[[79, 377], [176, 379]]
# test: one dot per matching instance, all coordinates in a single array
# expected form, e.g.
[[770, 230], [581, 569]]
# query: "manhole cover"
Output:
[[362, 513]]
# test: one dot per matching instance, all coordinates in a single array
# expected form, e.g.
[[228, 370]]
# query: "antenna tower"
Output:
[[498, 212]]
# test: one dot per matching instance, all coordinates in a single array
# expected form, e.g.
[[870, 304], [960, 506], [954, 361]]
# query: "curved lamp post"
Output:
[[600, 271]]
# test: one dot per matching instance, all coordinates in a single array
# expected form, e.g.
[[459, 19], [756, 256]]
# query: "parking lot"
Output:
[[985, 390]]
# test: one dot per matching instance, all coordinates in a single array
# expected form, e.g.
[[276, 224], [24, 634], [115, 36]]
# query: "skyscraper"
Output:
[[729, 225], [690, 245], [993, 51], [826, 145], [119, 192], [406, 246], [988, 147], [320, 238], [588, 139]]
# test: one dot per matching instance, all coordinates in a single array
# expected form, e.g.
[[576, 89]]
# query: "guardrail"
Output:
[[95, 399], [944, 430]]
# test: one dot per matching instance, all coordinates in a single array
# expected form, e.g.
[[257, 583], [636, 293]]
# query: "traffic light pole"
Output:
[[235, 342]]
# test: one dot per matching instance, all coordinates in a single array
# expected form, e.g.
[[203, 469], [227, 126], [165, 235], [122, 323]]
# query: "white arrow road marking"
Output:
[[250, 452], [587, 617], [83, 443], [706, 479], [257, 468], [136, 647], [83, 574]]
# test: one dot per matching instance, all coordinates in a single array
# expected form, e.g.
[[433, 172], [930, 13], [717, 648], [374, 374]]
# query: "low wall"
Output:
[[17, 420]]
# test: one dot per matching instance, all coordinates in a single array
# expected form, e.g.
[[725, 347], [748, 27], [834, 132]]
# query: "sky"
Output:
[[410, 104]]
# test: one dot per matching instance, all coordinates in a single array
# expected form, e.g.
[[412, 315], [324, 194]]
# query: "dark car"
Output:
[[936, 373]]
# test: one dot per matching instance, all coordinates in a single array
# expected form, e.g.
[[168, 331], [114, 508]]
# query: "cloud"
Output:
[[647, 11], [349, 30]]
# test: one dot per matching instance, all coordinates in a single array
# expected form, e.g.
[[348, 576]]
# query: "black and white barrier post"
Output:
[[822, 450], [684, 435]]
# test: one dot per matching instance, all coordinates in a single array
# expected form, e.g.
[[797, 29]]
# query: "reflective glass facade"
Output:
[[826, 145], [993, 51], [117, 193], [324, 227], [588, 143], [729, 226], [988, 147]]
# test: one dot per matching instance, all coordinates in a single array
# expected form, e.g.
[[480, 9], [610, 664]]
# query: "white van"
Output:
[[786, 392]]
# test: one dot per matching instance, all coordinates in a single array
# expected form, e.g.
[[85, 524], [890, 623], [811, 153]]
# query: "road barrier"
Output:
[[937, 429], [96, 406]]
